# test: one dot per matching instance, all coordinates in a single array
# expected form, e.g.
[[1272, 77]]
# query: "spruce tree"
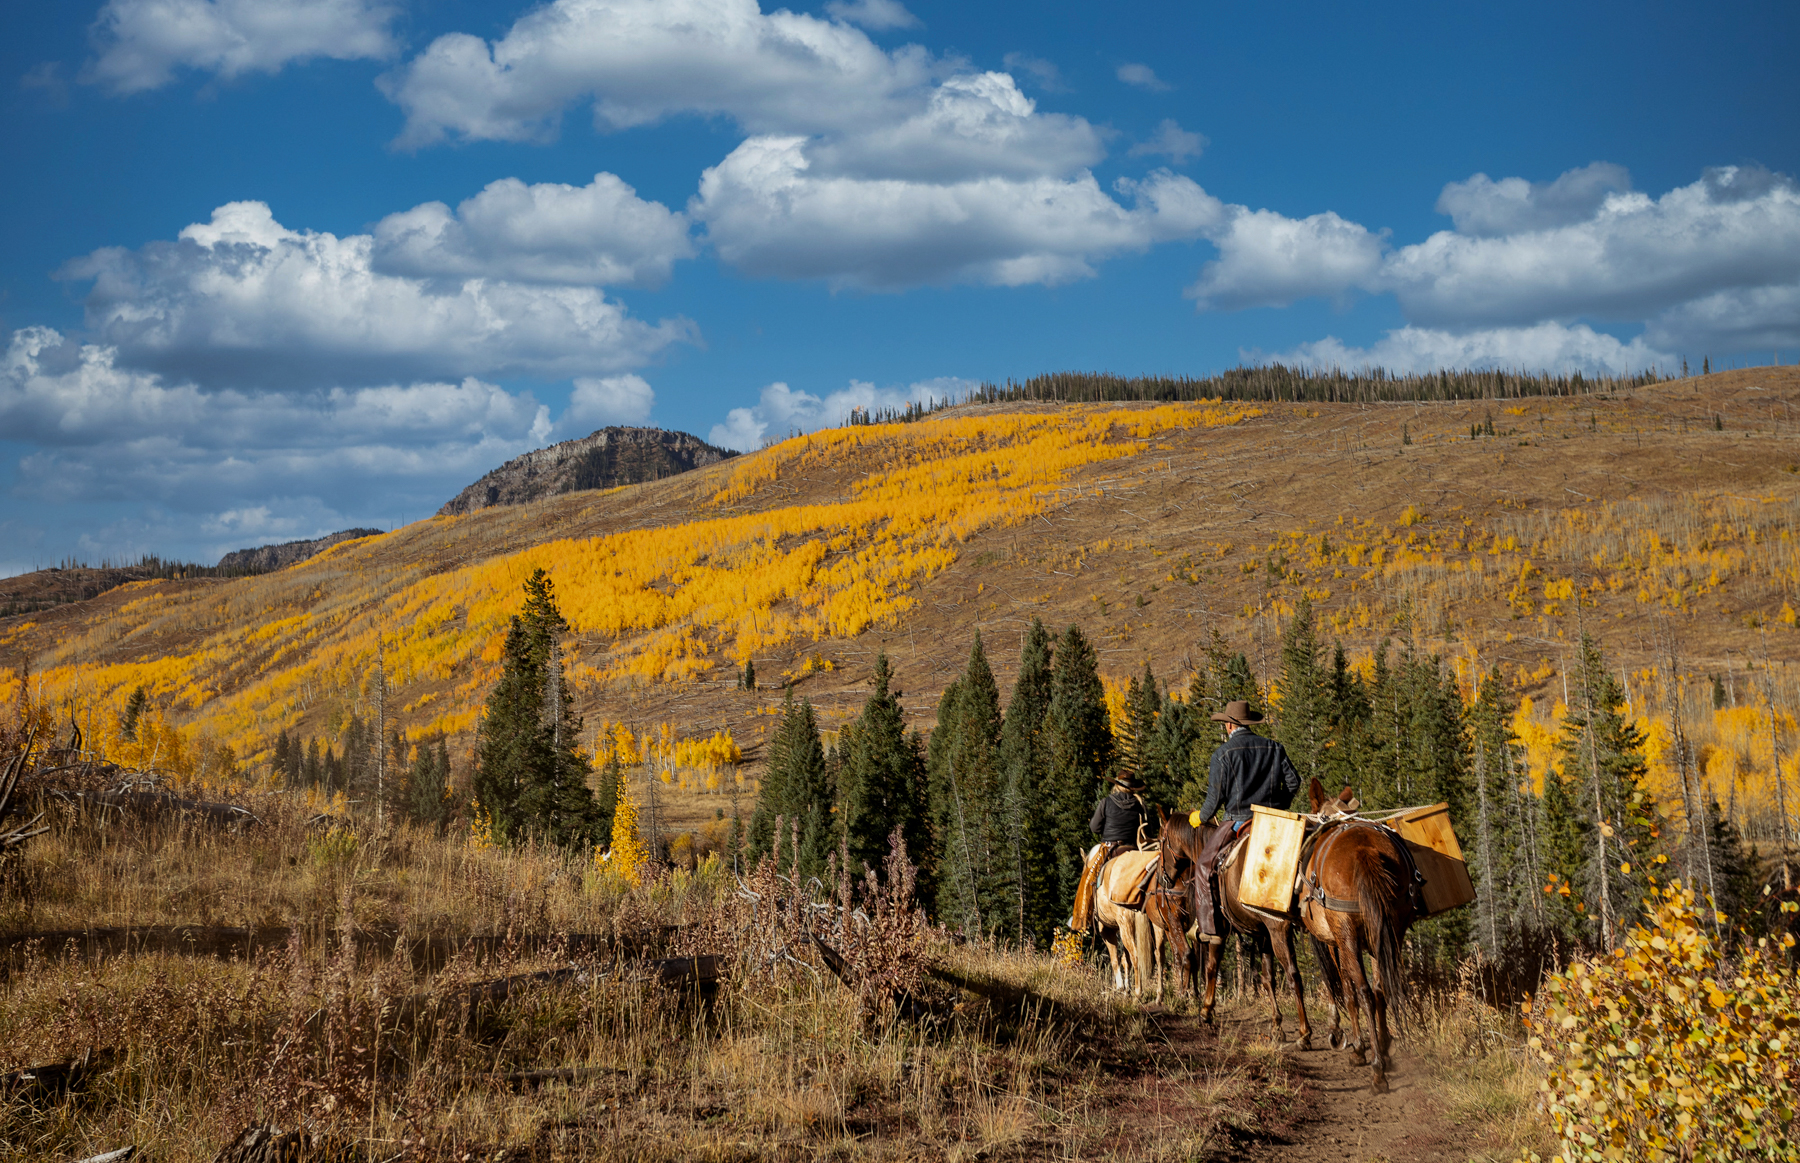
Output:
[[966, 789], [1304, 721], [1496, 857], [883, 780], [1348, 714], [281, 753], [528, 775], [796, 790], [1080, 746], [314, 770], [1024, 758], [1169, 756], [1224, 677], [427, 784], [772, 798]]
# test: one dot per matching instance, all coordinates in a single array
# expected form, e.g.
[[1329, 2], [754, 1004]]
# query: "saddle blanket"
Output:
[[1126, 876]]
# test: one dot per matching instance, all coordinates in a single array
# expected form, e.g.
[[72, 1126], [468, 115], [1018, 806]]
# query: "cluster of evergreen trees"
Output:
[[995, 808], [420, 790], [995, 805]]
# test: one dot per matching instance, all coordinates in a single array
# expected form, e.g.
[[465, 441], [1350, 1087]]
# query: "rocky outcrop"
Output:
[[608, 458], [269, 558]]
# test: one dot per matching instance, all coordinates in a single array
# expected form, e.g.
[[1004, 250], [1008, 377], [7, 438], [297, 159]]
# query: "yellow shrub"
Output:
[[1667, 1049]]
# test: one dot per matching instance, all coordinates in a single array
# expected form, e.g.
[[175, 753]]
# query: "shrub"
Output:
[[1671, 1047]]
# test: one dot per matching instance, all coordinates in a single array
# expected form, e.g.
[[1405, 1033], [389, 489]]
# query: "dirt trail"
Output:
[[1335, 1117], [1342, 1119]]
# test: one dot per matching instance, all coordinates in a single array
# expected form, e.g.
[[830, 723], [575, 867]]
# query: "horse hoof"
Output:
[[1304, 1042], [1337, 1039], [1380, 1087], [1358, 1058]]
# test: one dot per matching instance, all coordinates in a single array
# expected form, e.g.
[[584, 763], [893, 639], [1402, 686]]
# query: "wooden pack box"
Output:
[[1271, 859], [1434, 849]]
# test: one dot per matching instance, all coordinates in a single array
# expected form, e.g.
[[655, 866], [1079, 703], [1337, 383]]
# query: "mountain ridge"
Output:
[[604, 459]]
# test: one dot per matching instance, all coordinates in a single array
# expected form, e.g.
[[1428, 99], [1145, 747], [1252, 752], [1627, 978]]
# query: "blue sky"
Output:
[[276, 267]]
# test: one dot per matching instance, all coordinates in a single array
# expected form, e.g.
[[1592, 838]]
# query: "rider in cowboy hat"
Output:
[[1118, 818], [1247, 769]]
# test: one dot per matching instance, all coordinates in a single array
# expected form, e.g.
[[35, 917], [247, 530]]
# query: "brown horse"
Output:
[[1359, 894], [1271, 934]]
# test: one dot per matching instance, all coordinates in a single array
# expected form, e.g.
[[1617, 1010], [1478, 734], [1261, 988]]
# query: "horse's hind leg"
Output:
[[1214, 954], [1264, 936], [1351, 963], [1292, 968]]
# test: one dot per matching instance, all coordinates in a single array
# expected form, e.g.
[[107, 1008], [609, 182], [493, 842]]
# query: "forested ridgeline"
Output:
[[1272, 383]]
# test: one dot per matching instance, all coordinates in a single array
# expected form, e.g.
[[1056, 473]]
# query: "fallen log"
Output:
[[119, 1156], [426, 954], [153, 805], [53, 1078], [265, 1144]]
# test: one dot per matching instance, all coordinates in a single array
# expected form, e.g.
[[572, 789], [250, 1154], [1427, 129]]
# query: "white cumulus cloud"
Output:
[[1631, 256], [1484, 208], [601, 233], [107, 432], [1541, 347], [782, 411], [1268, 259], [141, 43], [639, 61], [768, 213], [599, 401], [242, 300]]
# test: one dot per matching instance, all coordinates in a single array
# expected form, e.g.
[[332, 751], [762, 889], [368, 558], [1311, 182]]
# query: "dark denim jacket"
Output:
[[1249, 769]]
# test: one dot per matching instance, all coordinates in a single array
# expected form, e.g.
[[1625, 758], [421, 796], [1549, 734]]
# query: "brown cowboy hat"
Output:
[[1129, 781], [1237, 711]]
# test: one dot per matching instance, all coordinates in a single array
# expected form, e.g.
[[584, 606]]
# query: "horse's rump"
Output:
[[1126, 876]]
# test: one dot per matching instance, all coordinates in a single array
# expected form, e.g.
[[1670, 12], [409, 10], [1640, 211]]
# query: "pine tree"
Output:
[[1225, 677], [1169, 755], [281, 753], [1603, 763], [795, 790], [1080, 747], [883, 780], [314, 771], [528, 775], [427, 793], [1497, 856], [772, 798], [1024, 758], [1303, 725], [969, 828], [1347, 714]]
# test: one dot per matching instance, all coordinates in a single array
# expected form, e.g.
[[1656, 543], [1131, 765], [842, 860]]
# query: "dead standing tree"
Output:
[[11, 838]]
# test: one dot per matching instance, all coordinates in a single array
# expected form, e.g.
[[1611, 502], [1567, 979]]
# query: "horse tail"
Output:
[[1376, 894]]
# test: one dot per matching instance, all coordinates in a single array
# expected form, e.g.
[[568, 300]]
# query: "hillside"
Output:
[[268, 558], [602, 460], [1669, 508]]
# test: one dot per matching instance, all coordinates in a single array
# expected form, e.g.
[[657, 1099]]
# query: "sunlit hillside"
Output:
[[1661, 520]]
